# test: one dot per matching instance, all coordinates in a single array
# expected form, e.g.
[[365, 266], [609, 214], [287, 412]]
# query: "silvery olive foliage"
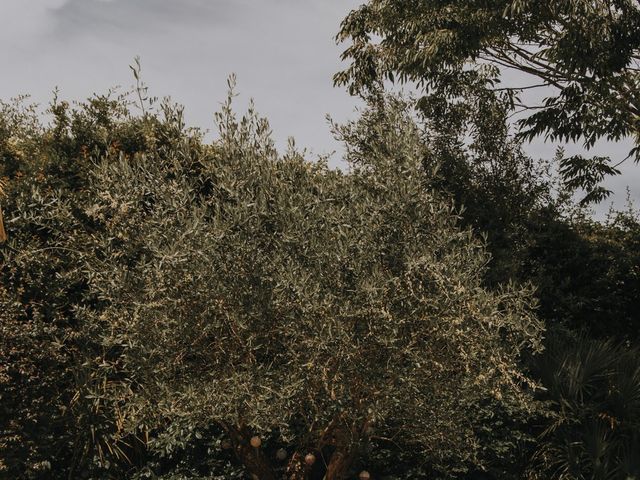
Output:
[[292, 298], [230, 286]]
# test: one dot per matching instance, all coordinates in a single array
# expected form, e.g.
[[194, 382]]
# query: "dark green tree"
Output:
[[584, 54]]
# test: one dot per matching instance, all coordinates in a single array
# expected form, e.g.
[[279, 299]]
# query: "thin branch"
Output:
[[623, 160], [510, 63], [529, 87]]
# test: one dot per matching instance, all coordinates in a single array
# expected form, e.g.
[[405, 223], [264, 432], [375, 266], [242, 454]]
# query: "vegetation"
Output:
[[594, 387], [277, 301], [173, 308], [585, 272], [583, 55]]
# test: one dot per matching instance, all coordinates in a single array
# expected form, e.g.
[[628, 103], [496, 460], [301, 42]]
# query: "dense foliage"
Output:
[[155, 288], [594, 387], [177, 309], [586, 273]]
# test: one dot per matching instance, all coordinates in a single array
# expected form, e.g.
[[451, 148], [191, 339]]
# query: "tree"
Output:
[[45, 428], [584, 54], [290, 305], [586, 274]]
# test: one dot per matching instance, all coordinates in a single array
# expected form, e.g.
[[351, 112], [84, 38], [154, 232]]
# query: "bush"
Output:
[[594, 386]]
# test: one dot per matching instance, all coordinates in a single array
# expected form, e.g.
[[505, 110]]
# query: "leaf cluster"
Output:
[[583, 54]]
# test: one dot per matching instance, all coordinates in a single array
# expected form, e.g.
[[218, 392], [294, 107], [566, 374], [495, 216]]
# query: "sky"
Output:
[[282, 51]]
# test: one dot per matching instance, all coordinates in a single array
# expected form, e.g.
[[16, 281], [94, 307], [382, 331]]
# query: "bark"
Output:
[[339, 465], [345, 442], [3, 233]]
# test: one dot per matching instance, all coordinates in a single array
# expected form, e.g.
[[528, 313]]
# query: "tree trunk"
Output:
[[3, 233], [255, 462], [339, 465]]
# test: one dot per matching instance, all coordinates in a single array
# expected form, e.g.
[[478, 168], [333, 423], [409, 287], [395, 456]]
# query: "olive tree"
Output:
[[304, 310]]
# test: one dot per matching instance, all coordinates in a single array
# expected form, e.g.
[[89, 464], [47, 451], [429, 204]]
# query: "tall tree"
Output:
[[583, 53]]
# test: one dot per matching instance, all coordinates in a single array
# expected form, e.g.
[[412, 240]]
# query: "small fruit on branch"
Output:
[[256, 442]]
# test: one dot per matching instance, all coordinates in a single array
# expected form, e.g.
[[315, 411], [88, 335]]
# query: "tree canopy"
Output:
[[583, 54], [169, 282]]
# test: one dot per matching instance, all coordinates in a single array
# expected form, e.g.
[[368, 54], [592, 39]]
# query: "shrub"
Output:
[[594, 386]]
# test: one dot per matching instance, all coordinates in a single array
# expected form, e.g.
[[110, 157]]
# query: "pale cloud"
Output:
[[116, 17], [22, 20]]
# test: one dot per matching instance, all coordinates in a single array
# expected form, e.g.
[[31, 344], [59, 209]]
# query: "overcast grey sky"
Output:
[[282, 51]]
